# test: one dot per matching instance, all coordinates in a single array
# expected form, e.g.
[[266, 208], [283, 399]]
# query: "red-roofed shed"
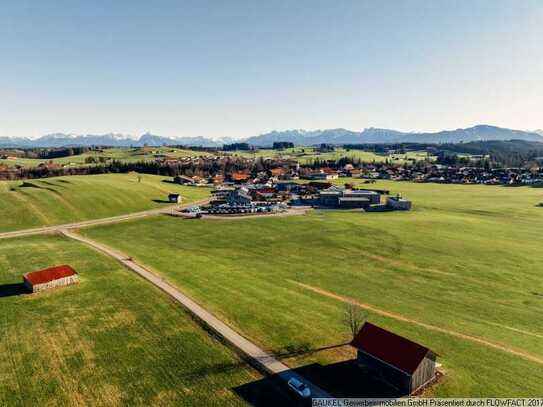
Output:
[[50, 277], [402, 362]]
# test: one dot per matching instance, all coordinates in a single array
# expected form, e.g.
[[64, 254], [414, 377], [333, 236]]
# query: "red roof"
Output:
[[390, 348], [49, 274], [277, 171], [239, 176]]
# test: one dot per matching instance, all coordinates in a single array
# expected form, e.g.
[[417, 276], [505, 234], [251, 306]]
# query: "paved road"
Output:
[[288, 212], [103, 221], [263, 359]]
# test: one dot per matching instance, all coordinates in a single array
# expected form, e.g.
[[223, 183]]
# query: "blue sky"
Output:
[[241, 68]]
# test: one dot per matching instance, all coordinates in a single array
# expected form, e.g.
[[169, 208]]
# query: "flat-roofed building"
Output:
[[338, 197]]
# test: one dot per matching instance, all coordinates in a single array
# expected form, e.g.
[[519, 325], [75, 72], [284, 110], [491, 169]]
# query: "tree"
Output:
[[280, 145], [354, 318]]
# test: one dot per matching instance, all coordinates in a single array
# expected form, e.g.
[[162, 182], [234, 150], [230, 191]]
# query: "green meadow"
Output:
[[461, 274], [111, 340], [52, 201], [305, 155], [123, 154]]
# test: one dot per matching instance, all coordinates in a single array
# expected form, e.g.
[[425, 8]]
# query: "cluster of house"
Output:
[[423, 172], [239, 177], [454, 174], [265, 193], [247, 198]]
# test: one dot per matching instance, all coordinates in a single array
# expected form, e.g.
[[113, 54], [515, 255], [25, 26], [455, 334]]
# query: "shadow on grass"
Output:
[[305, 350], [268, 392], [161, 201], [51, 184], [11, 290], [342, 379], [26, 184], [168, 181], [347, 379]]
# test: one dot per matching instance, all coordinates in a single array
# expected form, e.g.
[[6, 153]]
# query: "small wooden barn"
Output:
[[403, 363], [50, 278], [175, 198]]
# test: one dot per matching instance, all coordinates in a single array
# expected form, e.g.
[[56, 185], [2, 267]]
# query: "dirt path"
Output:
[[400, 317], [258, 356], [93, 222]]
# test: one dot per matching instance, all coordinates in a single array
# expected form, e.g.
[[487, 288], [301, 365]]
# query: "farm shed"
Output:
[[183, 180], [50, 278], [403, 363], [174, 198]]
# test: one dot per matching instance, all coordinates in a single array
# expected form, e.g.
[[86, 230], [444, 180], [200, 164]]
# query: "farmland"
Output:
[[51, 201], [305, 155], [123, 154], [110, 340], [460, 274]]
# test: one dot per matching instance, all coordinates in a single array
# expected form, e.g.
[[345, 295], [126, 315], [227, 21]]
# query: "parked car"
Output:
[[299, 387], [192, 209]]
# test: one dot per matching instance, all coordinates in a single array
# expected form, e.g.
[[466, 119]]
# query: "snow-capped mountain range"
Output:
[[298, 137]]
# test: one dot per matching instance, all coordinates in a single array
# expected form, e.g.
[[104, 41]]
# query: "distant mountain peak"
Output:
[[297, 136]]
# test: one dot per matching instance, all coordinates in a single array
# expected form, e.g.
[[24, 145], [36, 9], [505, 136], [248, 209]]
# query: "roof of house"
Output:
[[353, 199], [363, 192], [184, 177], [49, 274], [393, 349], [239, 176], [277, 171]]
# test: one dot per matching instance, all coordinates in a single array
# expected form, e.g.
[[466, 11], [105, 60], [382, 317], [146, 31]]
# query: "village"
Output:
[[215, 167], [270, 192]]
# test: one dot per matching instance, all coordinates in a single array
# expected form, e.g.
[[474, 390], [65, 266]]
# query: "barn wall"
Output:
[[55, 283], [425, 371], [28, 285], [395, 377]]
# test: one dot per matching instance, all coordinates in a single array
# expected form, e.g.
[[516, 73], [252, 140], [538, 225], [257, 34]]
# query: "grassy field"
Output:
[[464, 264], [31, 203], [124, 154], [110, 340], [305, 155]]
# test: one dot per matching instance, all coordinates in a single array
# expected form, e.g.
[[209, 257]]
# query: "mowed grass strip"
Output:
[[467, 259], [112, 339], [53, 201]]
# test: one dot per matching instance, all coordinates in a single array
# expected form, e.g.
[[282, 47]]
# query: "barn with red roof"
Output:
[[401, 362], [49, 278]]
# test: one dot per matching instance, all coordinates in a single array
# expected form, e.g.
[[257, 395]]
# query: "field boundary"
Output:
[[402, 318], [43, 230], [260, 358]]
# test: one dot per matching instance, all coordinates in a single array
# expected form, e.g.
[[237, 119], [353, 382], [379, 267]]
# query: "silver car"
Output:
[[299, 387]]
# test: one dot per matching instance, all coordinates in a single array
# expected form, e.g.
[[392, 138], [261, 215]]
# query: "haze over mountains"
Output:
[[298, 137]]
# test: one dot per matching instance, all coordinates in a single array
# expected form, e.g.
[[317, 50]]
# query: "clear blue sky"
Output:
[[241, 68]]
